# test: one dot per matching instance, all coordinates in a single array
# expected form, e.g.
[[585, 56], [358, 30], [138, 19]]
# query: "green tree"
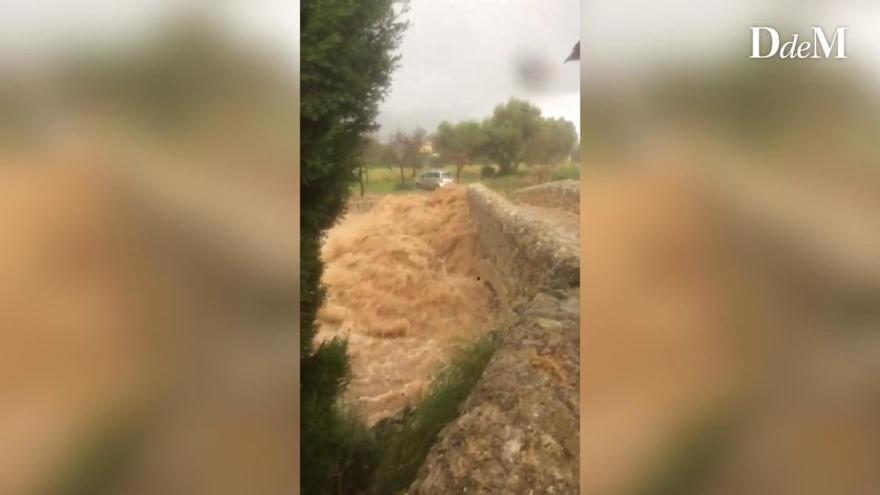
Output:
[[460, 144], [403, 151], [415, 158], [347, 57], [576, 153], [508, 130], [373, 151], [552, 143], [396, 151]]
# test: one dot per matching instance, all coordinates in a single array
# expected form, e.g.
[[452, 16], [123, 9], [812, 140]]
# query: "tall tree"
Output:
[[512, 124], [396, 150], [369, 151], [460, 143], [372, 153], [403, 150], [347, 57], [416, 157], [551, 143]]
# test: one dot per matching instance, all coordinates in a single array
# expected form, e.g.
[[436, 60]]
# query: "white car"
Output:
[[432, 179]]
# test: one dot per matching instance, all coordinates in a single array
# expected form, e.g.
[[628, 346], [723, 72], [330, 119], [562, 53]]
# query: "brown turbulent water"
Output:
[[403, 286]]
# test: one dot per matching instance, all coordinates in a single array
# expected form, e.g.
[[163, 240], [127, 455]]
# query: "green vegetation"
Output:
[[404, 150], [461, 143], [552, 143], [693, 457], [404, 452], [572, 171], [102, 458], [384, 180], [347, 57], [346, 61], [511, 125], [516, 133], [358, 460]]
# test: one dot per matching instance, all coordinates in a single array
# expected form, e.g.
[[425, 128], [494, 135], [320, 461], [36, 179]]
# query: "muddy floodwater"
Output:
[[403, 286]]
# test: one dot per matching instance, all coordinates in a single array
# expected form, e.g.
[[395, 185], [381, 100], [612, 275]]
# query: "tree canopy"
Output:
[[511, 125], [460, 143], [403, 150], [551, 143], [515, 133], [347, 56]]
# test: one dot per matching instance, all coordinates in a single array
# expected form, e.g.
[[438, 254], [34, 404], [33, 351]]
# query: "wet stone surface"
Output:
[[530, 246], [560, 195], [518, 432]]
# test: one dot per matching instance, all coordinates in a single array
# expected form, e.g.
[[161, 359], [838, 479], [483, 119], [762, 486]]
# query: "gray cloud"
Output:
[[460, 58]]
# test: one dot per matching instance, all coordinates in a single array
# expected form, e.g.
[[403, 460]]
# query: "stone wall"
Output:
[[518, 430], [564, 195], [523, 250]]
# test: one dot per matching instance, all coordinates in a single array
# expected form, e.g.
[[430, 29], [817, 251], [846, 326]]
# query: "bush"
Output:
[[487, 171], [342, 83], [404, 453], [404, 186], [568, 172], [344, 450]]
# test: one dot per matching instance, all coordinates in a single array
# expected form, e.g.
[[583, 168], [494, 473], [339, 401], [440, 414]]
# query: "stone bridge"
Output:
[[517, 432]]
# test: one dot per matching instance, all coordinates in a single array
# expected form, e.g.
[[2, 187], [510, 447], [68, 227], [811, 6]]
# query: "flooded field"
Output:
[[404, 286]]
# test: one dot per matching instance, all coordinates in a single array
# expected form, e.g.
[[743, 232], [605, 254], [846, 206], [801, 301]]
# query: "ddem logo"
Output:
[[819, 47]]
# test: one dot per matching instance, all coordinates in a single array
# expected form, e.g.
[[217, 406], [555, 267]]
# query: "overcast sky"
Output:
[[31, 30], [460, 58], [625, 38]]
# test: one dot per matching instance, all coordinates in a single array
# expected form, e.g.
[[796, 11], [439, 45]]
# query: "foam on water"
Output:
[[403, 285]]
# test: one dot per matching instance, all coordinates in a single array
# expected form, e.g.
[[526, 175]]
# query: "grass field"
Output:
[[386, 180]]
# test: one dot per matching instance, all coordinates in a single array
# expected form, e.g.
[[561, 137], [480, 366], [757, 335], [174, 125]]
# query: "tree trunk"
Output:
[[459, 166], [361, 179], [402, 178], [505, 168]]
